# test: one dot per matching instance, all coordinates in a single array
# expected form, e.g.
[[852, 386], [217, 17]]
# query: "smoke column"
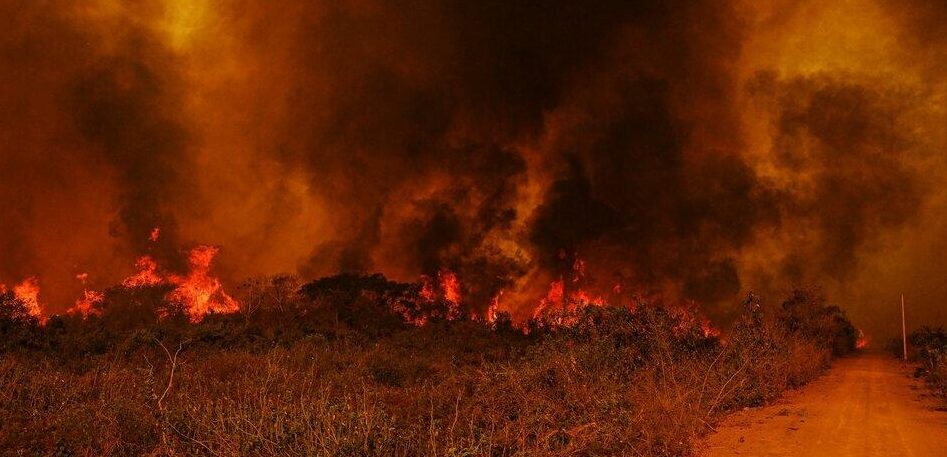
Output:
[[701, 149]]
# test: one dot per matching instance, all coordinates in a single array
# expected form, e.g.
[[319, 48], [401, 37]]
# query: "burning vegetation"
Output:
[[472, 228], [360, 364], [197, 291], [693, 150]]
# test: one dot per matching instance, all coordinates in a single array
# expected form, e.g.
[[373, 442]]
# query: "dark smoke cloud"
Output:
[[124, 104], [658, 141], [94, 145], [844, 142], [482, 78]]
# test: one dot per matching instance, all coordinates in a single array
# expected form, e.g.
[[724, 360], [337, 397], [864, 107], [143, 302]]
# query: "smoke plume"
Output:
[[696, 149]]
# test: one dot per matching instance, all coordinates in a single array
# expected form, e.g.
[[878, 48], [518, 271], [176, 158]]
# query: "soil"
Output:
[[867, 405]]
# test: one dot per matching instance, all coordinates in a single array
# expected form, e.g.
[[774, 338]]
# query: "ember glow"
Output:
[[863, 340], [565, 154]]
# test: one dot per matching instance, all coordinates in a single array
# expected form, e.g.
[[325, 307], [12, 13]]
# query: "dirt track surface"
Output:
[[864, 406]]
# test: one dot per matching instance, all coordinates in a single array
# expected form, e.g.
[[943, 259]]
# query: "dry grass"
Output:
[[614, 382], [558, 397]]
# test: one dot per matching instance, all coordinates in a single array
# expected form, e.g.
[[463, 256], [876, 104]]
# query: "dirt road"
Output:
[[864, 406]]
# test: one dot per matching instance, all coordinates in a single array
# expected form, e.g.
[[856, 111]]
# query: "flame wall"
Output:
[[698, 148]]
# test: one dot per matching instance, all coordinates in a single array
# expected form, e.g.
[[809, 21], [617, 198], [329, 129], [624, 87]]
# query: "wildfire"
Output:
[[689, 318], [440, 296], [493, 309], [571, 296], [553, 298], [85, 306], [155, 233], [446, 289], [198, 291], [564, 296], [708, 329], [28, 292], [451, 286], [863, 340], [147, 274], [427, 290]]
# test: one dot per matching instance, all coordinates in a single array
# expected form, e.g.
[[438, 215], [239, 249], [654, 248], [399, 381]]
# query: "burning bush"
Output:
[[19, 327], [361, 365]]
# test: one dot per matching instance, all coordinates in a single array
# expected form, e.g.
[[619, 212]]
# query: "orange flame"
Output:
[[155, 233], [447, 289], [451, 287], [85, 306], [863, 340], [559, 298], [491, 314], [28, 292], [427, 290], [708, 329], [147, 274], [200, 292]]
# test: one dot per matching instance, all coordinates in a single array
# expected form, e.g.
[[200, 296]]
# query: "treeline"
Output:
[[337, 366]]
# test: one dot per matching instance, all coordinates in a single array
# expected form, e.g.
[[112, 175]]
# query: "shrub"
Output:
[[18, 328], [806, 312], [929, 346], [332, 368]]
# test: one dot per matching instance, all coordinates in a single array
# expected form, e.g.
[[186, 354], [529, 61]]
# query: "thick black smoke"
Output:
[[503, 141], [125, 106], [410, 93]]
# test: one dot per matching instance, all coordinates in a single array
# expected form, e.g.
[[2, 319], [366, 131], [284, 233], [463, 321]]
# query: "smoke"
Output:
[[698, 149], [123, 107], [844, 141]]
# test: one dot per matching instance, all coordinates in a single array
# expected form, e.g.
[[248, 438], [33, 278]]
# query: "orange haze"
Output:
[[692, 149]]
